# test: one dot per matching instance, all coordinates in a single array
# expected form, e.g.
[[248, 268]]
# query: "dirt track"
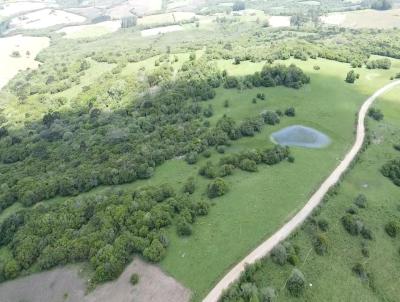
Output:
[[264, 248]]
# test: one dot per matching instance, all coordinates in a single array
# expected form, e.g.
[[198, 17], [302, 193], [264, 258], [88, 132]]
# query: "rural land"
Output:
[[199, 150]]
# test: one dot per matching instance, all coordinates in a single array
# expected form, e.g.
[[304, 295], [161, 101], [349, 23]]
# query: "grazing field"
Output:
[[240, 219], [23, 50], [92, 30], [279, 21], [160, 30], [364, 19], [14, 8], [379, 256], [165, 18], [44, 18]]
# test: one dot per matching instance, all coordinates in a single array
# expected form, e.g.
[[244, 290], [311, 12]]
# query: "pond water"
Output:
[[300, 136]]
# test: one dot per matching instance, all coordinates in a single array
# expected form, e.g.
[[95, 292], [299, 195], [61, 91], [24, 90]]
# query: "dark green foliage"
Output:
[[248, 165], [296, 283], [208, 170], [350, 223], [376, 114], [192, 158], [366, 233], [379, 64], [208, 112], [290, 111], [392, 170], [351, 77], [261, 96], [396, 146], [392, 228], [221, 149], [270, 118], [323, 225], [320, 244], [361, 201], [360, 271], [183, 228], [275, 155], [104, 229], [217, 188], [279, 254], [134, 279], [267, 294], [189, 186]]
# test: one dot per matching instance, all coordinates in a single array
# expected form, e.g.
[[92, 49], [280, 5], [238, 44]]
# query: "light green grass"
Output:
[[331, 276], [258, 203]]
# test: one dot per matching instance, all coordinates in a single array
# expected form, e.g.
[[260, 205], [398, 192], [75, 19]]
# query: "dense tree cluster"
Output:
[[382, 4], [391, 170], [103, 229], [270, 76], [376, 114], [379, 64]]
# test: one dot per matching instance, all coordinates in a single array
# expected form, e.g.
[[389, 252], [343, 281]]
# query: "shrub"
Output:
[[192, 158], [296, 283], [267, 294], [279, 254], [207, 153], [320, 244], [290, 111], [183, 228], [323, 224], [316, 67], [392, 228], [360, 271], [366, 233], [376, 114], [217, 188], [361, 201], [248, 165], [221, 149], [226, 170], [189, 186], [270, 118], [291, 159], [392, 170], [155, 252], [349, 222], [134, 279], [351, 77]]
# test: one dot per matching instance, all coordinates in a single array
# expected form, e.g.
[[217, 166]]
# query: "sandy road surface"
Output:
[[280, 235]]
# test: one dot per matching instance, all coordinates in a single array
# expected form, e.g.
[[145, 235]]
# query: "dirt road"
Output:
[[280, 235]]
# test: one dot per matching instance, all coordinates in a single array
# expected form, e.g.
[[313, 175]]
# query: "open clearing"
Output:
[[279, 21], [91, 30], [160, 30], [65, 284], [166, 18], [11, 65], [344, 251], [45, 18], [364, 19], [14, 8]]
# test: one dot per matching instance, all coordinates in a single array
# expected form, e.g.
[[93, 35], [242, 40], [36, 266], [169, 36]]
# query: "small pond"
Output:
[[300, 136]]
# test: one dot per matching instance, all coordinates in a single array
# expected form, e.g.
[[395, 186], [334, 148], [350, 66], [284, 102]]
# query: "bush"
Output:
[[267, 294], [279, 255], [360, 271], [349, 222], [290, 111], [189, 186], [351, 77], [217, 188], [155, 252], [361, 201], [376, 114], [323, 224], [192, 158], [270, 118], [207, 153], [392, 170], [221, 149], [296, 283], [392, 228], [134, 279], [183, 228], [320, 244], [366, 233], [248, 165]]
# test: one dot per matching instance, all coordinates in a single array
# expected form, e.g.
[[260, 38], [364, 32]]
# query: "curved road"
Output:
[[280, 235]]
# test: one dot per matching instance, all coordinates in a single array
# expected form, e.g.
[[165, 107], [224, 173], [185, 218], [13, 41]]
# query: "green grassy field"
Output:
[[329, 277], [259, 203]]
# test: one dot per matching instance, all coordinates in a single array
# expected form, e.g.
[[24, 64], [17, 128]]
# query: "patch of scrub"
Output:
[[160, 30], [45, 18], [279, 21], [65, 284], [91, 30], [18, 53], [300, 136]]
